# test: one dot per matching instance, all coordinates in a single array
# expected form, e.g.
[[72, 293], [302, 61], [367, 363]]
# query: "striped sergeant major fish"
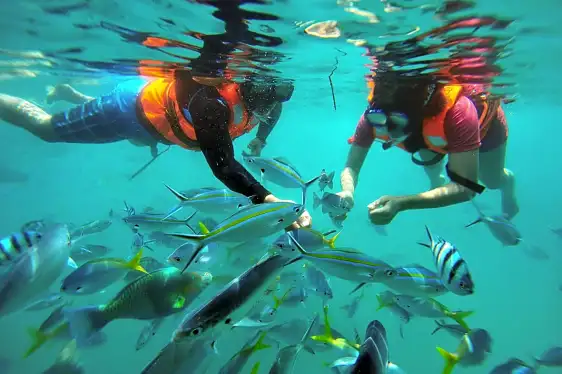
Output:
[[450, 265], [12, 246]]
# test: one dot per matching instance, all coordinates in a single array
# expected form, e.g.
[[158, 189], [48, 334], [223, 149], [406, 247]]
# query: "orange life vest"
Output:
[[158, 101], [433, 128]]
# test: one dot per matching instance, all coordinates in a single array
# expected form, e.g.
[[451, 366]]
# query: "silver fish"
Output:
[[49, 301], [90, 228], [157, 222], [148, 333], [454, 330], [501, 228], [513, 366], [351, 308], [416, 280], [326, 180], [87, 252], [450, 265], [34, 271], [318, 283], [210, 201], [217, 315], [331, 203], [308, 238], [286, 357], [279, 171], [552, 357]]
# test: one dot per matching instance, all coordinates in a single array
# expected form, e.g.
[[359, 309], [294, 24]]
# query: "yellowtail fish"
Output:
[[156, 221], [416, 280], [346, 263], [286, 357], [237, 362], [31, 275], [430, 308], [248, 223], [452, 268], [472, 350], [90, 228], [155, 295], [216, 316], [148, 332], [209, 201], [309, 238], [96, 275], [279, 171], [12, 246], [328, 339]]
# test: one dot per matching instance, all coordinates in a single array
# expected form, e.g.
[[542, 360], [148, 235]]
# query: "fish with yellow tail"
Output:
[[473, 350], [237, 362]]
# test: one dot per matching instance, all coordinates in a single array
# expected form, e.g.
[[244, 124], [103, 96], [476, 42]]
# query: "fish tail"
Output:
[[186, 221], [296, 244], [439, 327], [382, 304], [478, 220], [177, 194], [332, 241], [459, 317], [331, 179], [316, 202], [256, 368], [451, 359], [279, 301], [85, 322], [134, 263], [38, 339], [429, 236], [260, 345], [203, 228]]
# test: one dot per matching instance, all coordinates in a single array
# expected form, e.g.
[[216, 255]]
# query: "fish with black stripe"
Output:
[[12, 246], [450, 265]]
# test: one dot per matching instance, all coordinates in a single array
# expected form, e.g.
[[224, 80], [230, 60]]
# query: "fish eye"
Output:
[[78, 288], [228, 321], [389, 272], [297, 209], [280, 220], [177, 259], [195, 332]]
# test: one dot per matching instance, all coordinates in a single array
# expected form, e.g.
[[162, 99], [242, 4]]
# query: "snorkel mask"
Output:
[[391, 124]]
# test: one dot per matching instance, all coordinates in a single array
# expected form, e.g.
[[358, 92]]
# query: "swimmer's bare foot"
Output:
[[510, 206], [65, 92]]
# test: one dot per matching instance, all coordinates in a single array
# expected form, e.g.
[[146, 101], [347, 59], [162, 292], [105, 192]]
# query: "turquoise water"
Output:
[[517, 298]]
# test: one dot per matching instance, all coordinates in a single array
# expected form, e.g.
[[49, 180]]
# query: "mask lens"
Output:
[[399, 119], [376, 117]]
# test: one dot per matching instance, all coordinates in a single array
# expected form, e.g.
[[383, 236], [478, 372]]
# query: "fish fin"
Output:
[[429, 236], [382, 304], [331, 180], [359, 286], [192, 237], [459, 317], [174, 210], [474, 223], [260, 345], [203, 228], [297, 244], [439, 327], [311, 182], [255, 368], [177, 194], [332, 241], [451, 359], [71, 263], [194, 255], [134, 263], [316, 200], [186, 221], [85, 322], [401, 330]]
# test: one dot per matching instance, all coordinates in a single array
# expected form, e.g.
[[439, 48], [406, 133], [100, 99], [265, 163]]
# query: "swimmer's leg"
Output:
[[65, 92], [495, 176], [23, 114]]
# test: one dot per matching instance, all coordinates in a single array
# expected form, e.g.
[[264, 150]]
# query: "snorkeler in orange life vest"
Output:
[[433, 121], [178, 110]]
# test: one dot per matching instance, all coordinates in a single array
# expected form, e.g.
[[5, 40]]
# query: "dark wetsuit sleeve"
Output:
[[210, 120], [265, 127]]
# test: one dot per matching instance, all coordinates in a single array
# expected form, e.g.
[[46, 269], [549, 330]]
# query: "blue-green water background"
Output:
[[517, 298]]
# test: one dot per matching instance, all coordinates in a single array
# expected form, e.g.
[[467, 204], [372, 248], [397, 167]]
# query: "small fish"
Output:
[[337, 220], [351, 308], [155, 295], [251, 222], [385, 299], [217, 315], [49, 301], [90, 228], [501, 228], [513, 366], [430, 308], [472, 350], [212, 200], [331, 203], [455, 330], [148, 332], [535, 252], [286, 357], [237, 362], [87, 252], [31, 275], [296, 296], [163, 239], [96, 275], [326, 180], [139, 242], [416, 280], [67, 361], [552, 357], [557, 231], [308, 238], [279, 171], [346, 263], [318, 283], [12, 246], [452, 268], [157, 222]]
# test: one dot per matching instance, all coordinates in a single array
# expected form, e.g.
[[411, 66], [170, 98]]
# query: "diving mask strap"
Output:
[[473, 186]]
